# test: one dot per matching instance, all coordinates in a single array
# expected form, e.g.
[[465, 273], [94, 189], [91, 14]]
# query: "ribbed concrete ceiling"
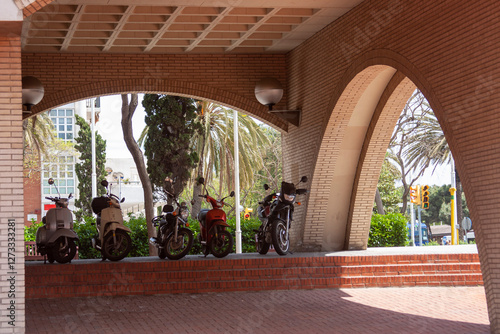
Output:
[[177, 27]]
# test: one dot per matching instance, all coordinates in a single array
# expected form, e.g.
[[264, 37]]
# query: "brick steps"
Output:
[[195, 275]]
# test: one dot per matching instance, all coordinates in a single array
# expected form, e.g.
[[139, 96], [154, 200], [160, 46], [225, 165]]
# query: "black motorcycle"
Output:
[[276, 214], [173, 239]]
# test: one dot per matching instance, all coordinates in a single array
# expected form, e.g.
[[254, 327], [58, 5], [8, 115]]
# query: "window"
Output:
[[63, 171]]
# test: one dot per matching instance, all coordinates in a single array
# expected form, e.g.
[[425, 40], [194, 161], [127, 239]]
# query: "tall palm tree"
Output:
[[427, 147], [215, 147], [38, 132]]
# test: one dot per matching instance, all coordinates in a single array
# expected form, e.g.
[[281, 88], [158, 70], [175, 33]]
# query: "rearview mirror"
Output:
[[232, 193], [51, 181], [303, 179], [104, 183], [266, 186], [201, 180]]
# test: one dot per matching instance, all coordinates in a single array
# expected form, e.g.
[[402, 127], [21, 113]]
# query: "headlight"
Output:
[[220, 204], [289, 198], [184, 213]]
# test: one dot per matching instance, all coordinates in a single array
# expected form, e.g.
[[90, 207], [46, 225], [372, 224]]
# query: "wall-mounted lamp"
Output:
[[33, 92], [269, 92]]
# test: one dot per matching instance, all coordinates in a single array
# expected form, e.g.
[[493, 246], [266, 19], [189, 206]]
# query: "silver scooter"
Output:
[[55, 240], [112, 239]]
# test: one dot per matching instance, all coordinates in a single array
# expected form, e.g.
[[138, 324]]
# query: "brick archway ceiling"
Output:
[[178, 27]]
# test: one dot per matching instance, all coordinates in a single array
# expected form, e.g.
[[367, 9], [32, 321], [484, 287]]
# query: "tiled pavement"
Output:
[[367, 310], [373, 310]]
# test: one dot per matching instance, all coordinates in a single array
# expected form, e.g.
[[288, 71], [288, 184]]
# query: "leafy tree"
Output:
[[271, 171], [83, 168], [40, 140], [172, 123], [439, 206], [215, 146], [390, 196], [407, 125], [421, 144]]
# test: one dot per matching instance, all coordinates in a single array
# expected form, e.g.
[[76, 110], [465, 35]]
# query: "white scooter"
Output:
[[55, 240], [112, 238]]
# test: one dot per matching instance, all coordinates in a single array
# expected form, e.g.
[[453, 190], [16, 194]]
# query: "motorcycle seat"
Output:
[[202, 215]]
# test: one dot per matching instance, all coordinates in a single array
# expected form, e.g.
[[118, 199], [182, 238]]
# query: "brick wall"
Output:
[[33, 202], [11, 182], [227, 79], [448, 50]]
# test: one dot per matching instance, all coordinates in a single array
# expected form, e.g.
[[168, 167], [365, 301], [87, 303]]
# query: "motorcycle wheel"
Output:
[[162, 253], [262, 245], [280, 242], [177, 249], [121, 249], [62, 252], [50, 258], [222, 245]]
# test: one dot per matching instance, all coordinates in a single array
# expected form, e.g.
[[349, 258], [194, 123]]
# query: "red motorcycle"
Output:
[[213, 236]]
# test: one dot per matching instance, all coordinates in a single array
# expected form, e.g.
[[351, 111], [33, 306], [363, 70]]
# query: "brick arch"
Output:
[[353, 147], [392, 101], [158, 86]]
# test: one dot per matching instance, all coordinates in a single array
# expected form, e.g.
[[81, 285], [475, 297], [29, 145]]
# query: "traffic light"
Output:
[[415, 194], [425, 197], [247, 213]]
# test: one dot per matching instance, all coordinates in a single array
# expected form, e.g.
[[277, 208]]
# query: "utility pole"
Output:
[[92, 129], [237, 183]]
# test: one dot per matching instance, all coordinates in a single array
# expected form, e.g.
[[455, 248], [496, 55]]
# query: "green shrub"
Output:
[[387, 230], [139, 235], [30, 231], [86, 231]]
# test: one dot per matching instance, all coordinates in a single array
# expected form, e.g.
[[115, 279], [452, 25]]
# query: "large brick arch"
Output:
[[391, 103], [365, 106], [158, 86]]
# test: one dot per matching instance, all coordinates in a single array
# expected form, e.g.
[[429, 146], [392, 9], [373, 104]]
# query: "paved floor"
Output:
[[375, 310], [352, 311]]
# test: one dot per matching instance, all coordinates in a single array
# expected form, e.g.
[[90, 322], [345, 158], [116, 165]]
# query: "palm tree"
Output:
[[407, 125], [428, 148], [215, 147], [38, 131]]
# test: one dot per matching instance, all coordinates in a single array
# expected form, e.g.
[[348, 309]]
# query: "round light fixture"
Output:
[[32, 90], [269, 92]]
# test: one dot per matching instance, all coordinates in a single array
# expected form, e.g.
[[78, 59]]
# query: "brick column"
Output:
[[11, 182]]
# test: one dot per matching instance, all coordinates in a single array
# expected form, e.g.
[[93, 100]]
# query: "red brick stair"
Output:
[[244, 273]]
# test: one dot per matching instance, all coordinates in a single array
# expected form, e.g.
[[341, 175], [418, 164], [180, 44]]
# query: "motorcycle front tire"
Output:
[[176, 251], [262, 245], [162, 253], [222, 245], [124, 245], [63, 254], [280, 242]]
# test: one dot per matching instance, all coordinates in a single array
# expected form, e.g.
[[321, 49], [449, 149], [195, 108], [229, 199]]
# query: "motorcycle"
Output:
[[173, 239], [276, 214], [55, 240], [112, 237], [213, 236]]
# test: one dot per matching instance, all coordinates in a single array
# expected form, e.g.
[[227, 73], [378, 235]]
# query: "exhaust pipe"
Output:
[[153, 241]]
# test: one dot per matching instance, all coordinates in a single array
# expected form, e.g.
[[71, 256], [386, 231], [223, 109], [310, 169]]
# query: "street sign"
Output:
[[466, 224]]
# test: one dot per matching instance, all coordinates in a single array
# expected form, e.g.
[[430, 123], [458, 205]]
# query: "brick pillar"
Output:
[[11, 182]]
